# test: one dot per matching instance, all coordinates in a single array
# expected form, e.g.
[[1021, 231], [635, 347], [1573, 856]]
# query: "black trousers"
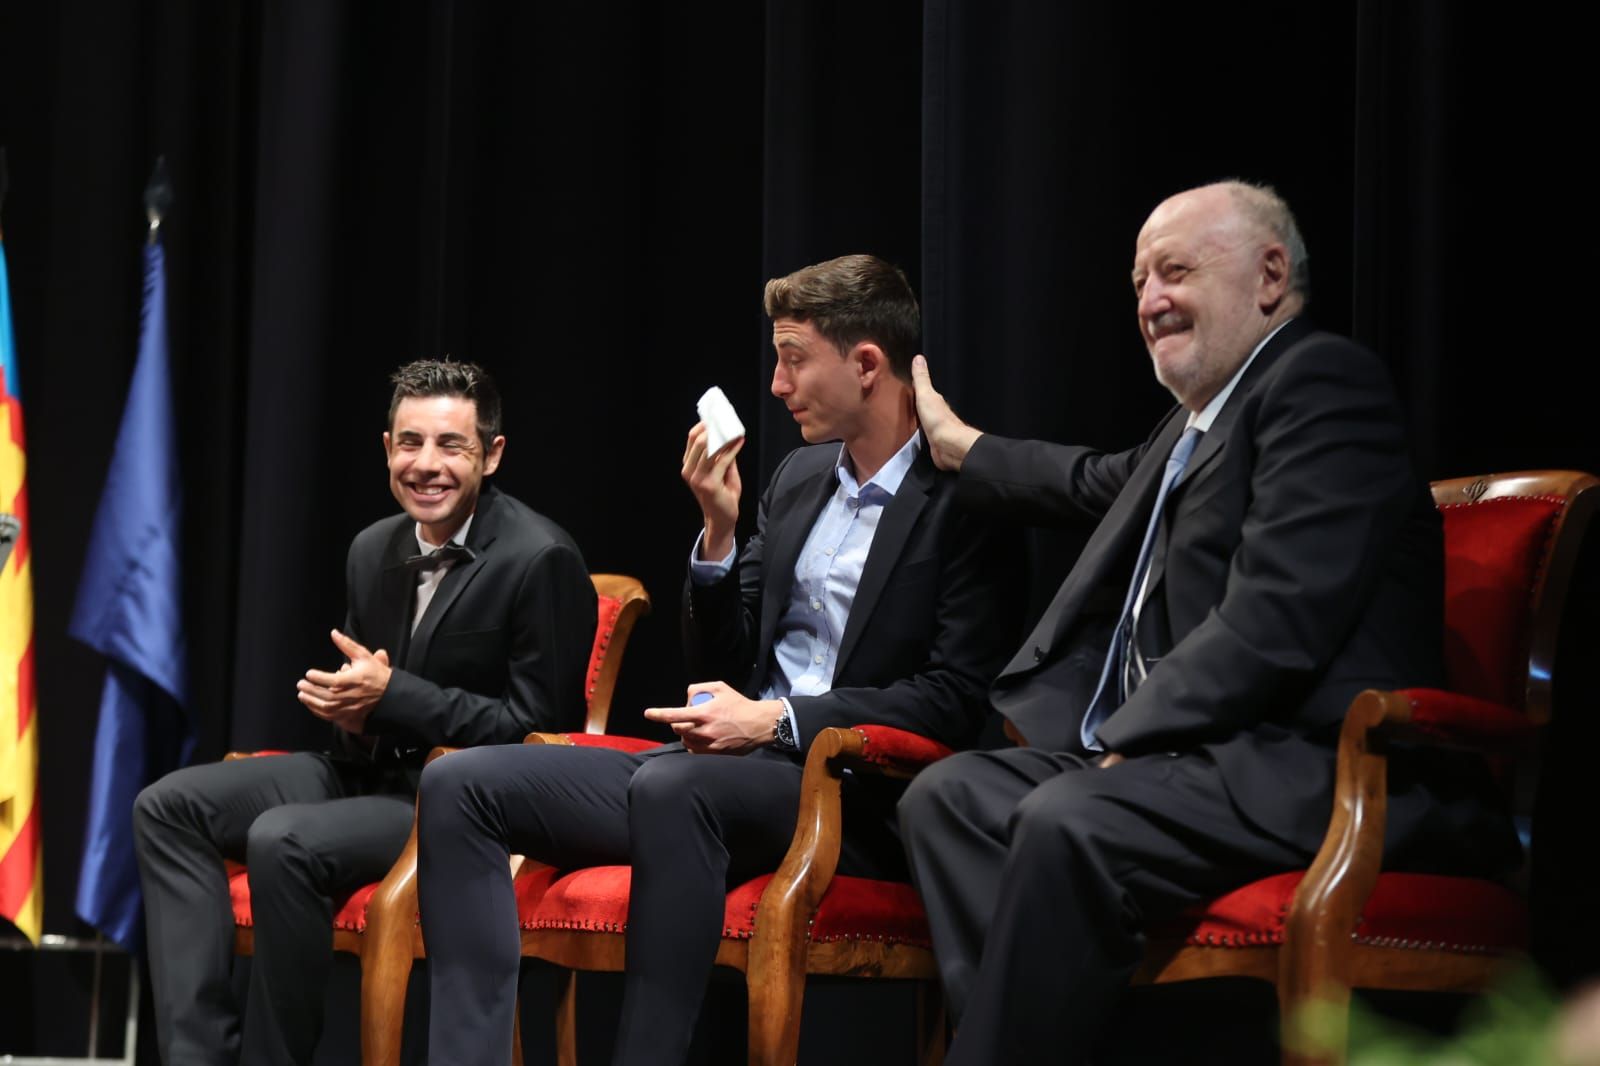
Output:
[[1039, 872], [309, 827], [690, 825]]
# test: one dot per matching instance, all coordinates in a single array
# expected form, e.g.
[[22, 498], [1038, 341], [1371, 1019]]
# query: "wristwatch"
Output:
[[783, 732]]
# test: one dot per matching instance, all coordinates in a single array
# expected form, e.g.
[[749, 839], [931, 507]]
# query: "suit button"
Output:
[[1038, 654]]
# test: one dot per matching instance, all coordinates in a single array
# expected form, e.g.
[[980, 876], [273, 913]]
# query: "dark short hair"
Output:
[[852, 299], [443, 377]]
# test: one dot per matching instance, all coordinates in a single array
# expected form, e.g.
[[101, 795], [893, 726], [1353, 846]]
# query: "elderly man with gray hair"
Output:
[[1268, 552]]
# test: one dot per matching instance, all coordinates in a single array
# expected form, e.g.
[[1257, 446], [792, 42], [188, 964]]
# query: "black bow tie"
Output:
[[450, 553]]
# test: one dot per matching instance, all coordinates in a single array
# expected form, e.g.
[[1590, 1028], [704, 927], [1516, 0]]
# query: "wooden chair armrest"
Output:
[[778, 948], [1451, 720], [1328, 903], [387, 949], [779, 944], [392, 910], [813, 856], [593, 740], [892, 752]]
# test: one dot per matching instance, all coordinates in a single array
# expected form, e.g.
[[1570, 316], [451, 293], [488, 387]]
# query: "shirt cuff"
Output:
[[707, 573]]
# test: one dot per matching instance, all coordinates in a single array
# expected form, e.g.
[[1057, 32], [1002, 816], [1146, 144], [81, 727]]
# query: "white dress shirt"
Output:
[[428, 580]]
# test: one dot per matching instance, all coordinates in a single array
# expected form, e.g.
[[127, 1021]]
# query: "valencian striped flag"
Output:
[[21, 874]]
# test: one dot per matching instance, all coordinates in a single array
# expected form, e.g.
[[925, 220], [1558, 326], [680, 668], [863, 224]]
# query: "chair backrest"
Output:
[[1510, 543], [623, 601]]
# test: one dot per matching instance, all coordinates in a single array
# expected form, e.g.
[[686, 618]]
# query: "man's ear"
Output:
[[1274, 284], [387, 445], [871, 364], [491, 458]]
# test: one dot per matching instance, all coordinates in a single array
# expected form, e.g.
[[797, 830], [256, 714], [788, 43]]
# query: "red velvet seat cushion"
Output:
[[1493, 550], [531, 884], [350, 912], [1405, 910], [596, 899]]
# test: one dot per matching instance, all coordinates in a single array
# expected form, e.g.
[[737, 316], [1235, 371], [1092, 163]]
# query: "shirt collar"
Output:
[[459, 537], [888, 477], [1208, 414]]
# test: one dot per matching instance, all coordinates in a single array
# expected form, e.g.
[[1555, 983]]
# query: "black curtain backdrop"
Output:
[[587, 199]]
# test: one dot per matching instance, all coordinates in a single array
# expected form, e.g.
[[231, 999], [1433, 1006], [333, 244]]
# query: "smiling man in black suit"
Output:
[[470, 622], [865, 597], [1266, 554]]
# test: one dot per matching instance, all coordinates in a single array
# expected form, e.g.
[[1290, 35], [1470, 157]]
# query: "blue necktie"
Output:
[[1109, 694]]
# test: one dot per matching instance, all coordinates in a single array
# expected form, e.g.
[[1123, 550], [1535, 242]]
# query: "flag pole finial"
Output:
[[157, 196]]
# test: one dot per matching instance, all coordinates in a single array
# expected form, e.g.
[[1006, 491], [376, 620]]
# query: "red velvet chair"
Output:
[[778, 927], [1511, 542], [378, 922]]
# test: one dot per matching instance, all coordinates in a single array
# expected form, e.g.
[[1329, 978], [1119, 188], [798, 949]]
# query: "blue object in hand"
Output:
[[699, 698]]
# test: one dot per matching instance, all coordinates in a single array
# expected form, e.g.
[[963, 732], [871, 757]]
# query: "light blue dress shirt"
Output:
[[826, 575]]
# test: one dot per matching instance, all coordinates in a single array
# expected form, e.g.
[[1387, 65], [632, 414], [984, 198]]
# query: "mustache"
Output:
[[1164, 323]]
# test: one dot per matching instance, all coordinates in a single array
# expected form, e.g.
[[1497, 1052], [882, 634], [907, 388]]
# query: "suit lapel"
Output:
[[1208, 449], [789, 522], [899, 518], [480, 538], [1109, 554], [1216, 438], [1210, 446], [396, 595]]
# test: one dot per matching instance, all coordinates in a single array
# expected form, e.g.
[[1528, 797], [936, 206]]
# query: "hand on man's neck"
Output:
[[894, 421]]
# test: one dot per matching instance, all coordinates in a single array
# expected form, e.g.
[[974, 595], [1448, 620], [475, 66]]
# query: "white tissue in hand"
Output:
[[722, 424]]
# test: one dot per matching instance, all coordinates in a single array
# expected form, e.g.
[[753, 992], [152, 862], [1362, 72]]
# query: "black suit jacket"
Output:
[[504, 645], [932, 620], [1299, 561]]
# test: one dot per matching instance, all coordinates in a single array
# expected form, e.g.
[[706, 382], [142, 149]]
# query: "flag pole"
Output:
[[157, 198]]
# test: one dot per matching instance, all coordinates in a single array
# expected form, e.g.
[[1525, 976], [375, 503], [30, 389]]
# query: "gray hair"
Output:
[[1261, 206]]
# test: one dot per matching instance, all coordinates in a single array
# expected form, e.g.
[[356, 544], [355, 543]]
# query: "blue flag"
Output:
[[129, 609]]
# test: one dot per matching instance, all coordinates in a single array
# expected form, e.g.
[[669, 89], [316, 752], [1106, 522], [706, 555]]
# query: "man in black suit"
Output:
[[490, 614], [1181, 696], [864, 597]]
